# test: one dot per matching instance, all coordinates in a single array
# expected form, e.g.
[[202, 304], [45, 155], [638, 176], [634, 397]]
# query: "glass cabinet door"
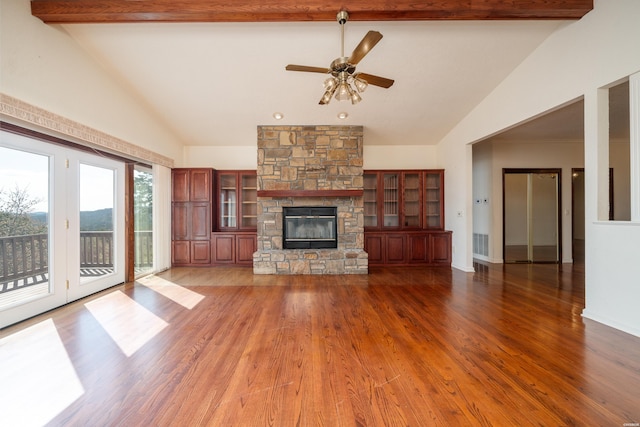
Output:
[[411, 199], [228, 201], [370, 200], [432, 197], [249, 214], [391, 201]]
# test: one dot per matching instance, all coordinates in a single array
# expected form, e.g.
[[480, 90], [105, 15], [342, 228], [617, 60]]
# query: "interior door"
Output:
[[531, 215]]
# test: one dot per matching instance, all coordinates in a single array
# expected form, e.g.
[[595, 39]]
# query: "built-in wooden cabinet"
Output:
[[404, 200], [404, 217], [234, 239], [191, 200], [237, 200], [214, 217], [233, 248]]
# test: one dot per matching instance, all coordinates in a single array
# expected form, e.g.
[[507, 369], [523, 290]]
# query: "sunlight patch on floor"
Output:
[[37, 379], [128, 323], [183, 296]]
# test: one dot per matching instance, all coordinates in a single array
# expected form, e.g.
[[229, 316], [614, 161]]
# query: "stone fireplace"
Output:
[[313, 167]]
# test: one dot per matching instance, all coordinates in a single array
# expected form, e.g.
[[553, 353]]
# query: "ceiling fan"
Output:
[[343, 69]]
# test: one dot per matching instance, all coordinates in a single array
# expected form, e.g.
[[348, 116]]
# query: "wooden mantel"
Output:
[[76, 11], [310, 193]]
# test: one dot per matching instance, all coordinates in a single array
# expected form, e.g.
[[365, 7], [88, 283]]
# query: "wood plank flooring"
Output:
[[505, 346]]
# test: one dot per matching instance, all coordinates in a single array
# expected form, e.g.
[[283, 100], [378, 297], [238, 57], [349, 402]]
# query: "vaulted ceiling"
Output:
[[213, 70]]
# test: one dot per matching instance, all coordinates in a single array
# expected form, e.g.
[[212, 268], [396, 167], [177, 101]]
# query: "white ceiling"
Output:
[[213, 83]]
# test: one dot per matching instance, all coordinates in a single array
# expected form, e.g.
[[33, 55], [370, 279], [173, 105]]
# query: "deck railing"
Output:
[[26, 257], [144, 250], [23, 256], [96, 249]]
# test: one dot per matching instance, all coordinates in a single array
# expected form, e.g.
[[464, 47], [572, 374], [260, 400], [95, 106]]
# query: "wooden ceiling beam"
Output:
[[95, 11]]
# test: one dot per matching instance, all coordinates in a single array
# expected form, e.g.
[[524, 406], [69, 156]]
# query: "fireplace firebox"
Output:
[[307, 227]]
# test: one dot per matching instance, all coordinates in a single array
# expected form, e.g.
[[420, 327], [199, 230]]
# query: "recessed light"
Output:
[[278, 116], [343, 115]]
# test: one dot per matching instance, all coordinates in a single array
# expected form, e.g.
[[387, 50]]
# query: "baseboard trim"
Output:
[[611, 323]]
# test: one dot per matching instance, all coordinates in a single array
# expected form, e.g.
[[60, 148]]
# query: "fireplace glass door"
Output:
[[309, 228]]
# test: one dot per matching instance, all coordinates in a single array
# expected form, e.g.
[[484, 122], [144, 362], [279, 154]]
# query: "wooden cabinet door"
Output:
[[248, 215], [200, 252], [180, 252], [200, 186], [440, 248], [227, 200], [395, 248], [370, 200], [390, 206], [180, 221], [418, 248], [200, 225], [374, 246], [223, 248], [411, 208], [180, 185], [246, 245], [434, 200]]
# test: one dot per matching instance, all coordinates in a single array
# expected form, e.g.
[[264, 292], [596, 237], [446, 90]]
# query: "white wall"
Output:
[[400, 156], [221, 157], [575, 61], [482, 190], [41, 65]]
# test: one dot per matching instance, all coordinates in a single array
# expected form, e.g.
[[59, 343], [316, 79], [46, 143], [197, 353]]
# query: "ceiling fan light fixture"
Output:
[[326, 97], [330, 84], [355, 98], [361, 85], [344, 92]]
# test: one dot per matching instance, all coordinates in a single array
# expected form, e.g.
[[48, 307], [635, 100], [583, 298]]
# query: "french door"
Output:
[[61, 226]]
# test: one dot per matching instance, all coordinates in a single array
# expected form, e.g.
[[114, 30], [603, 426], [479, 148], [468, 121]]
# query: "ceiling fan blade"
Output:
[[375, 80], [291, 67], [366, 44]]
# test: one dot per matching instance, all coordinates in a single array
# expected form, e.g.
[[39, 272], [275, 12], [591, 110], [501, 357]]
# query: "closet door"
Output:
[[531, 216]]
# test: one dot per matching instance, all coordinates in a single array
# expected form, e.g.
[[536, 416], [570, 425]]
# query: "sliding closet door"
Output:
[[531, 218], [545, 216], [516, 215]]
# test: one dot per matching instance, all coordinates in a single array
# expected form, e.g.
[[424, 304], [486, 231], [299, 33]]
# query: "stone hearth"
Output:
[[310, 166]]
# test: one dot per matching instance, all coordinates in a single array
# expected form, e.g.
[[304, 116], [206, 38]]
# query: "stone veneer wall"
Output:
[[310, 158]]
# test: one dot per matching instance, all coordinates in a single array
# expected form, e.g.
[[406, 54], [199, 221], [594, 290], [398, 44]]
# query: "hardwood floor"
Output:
[[402, 346]]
